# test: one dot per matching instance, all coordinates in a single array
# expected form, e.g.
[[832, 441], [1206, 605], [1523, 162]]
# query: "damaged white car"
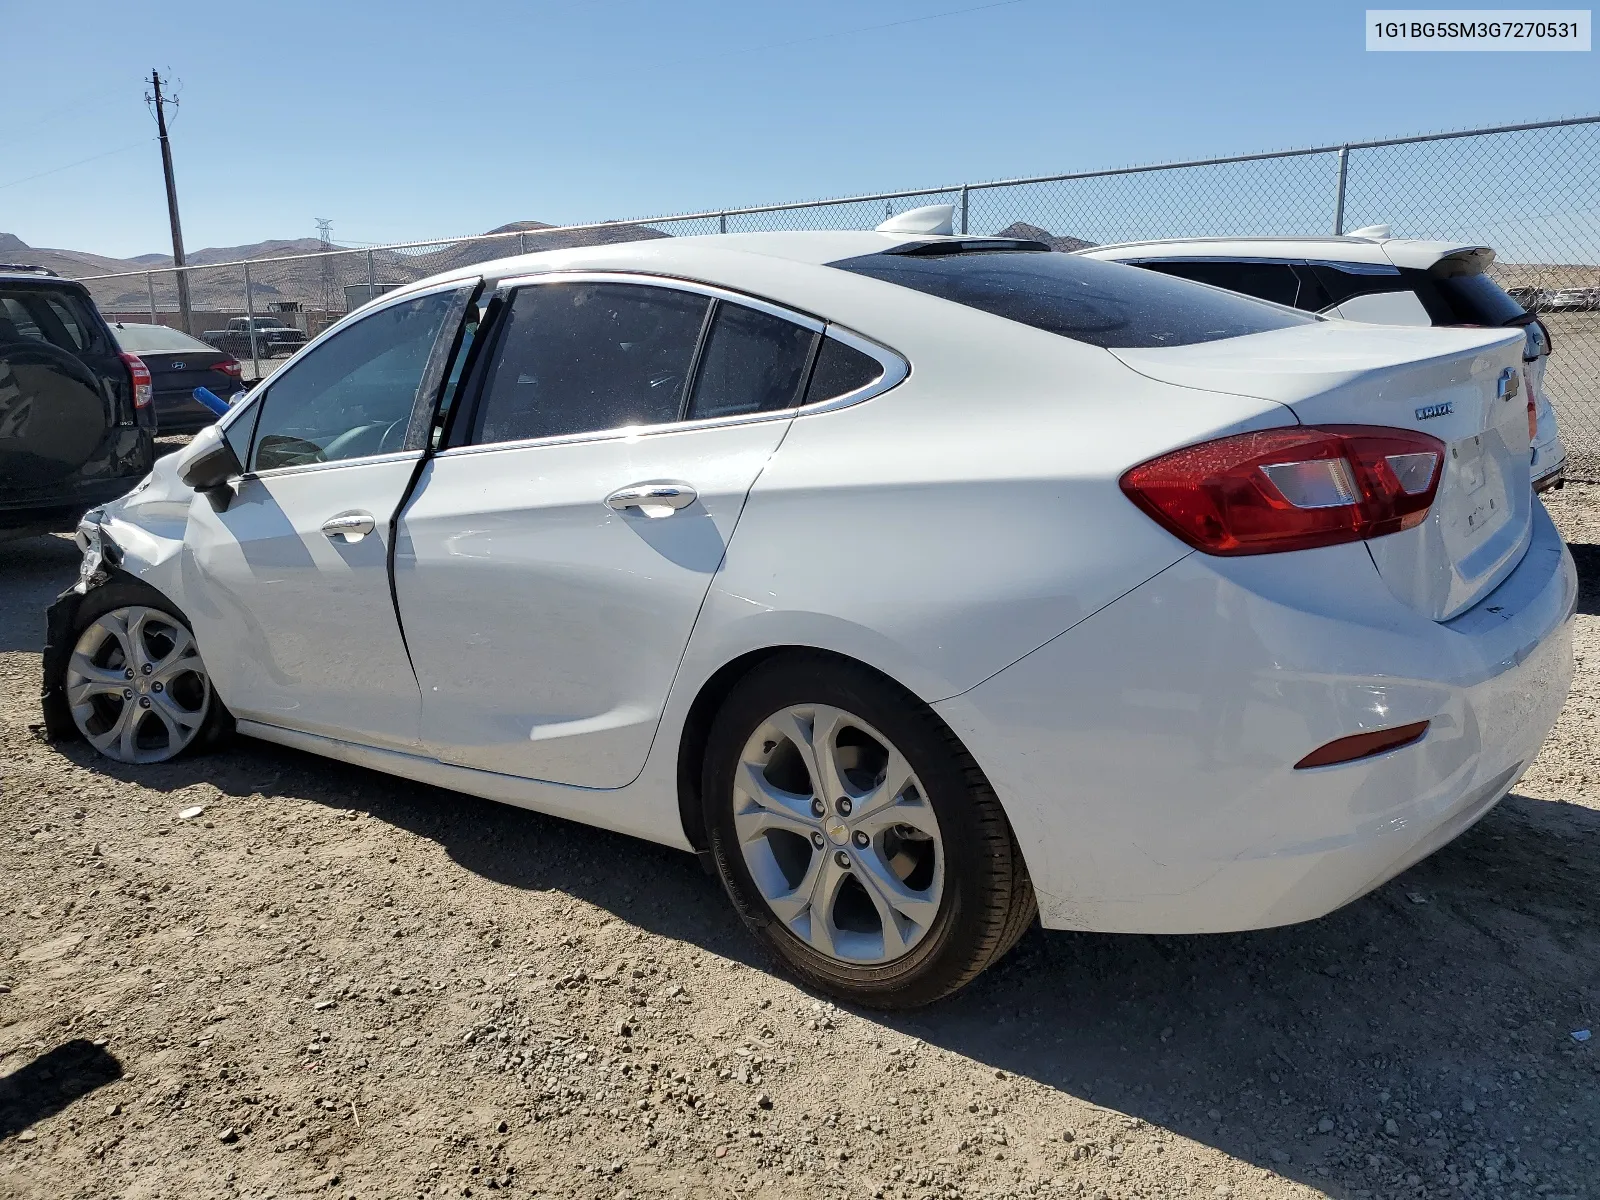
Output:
[[919, 582]]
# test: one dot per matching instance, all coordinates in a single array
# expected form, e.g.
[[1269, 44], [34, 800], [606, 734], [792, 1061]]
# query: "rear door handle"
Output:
[[351, 526], [658, 498]]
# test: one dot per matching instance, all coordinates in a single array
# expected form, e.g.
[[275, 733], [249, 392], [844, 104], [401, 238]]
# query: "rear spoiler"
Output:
[[1470, 260]]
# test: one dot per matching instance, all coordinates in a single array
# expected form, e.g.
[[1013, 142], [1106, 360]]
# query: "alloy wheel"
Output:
[[138, 690], [838, 835]]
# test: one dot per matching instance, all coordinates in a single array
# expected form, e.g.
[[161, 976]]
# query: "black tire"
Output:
[[988, 900], [218, 725]]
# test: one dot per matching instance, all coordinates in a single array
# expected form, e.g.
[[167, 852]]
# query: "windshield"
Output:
[[1101, 303], [143, 339]]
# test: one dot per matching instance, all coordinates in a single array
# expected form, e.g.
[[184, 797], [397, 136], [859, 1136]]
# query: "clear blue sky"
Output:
[[404, 120]]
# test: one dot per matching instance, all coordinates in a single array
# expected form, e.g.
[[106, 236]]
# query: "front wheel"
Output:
[[135, 683], [857, 837]]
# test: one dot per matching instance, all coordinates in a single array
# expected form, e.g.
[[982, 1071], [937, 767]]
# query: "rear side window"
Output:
[[1264, 280], [840, 369], [1103, 304], [585, 357], [752, 362]]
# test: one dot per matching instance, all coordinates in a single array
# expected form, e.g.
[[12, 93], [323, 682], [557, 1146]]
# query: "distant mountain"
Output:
[[315, 283], [1062, 242]]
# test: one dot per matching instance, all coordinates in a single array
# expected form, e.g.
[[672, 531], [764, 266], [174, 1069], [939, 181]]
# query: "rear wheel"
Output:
[[857, 837], [135, 682]]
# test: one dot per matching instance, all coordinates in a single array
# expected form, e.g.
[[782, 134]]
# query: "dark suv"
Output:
[[77, 427]]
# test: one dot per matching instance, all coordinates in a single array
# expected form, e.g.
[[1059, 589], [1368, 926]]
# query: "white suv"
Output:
[[1368, 276]]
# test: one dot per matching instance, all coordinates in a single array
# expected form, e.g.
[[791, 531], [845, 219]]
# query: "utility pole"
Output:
[[184, 318]]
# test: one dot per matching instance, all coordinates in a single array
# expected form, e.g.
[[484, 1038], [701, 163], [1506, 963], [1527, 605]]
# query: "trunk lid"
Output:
[[1455, 384]]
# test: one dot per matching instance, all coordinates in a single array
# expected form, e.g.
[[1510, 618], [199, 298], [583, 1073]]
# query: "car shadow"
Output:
[[1273, 1046], [49, 1083], [35, 569]]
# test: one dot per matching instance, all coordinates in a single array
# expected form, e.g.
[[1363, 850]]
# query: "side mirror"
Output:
[[208, 462]]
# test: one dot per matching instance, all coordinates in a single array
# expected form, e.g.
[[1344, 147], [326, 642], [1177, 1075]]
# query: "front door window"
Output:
[[352, 396]]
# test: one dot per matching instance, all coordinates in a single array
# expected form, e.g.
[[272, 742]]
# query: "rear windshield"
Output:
[[1101, 303], [145, 339]]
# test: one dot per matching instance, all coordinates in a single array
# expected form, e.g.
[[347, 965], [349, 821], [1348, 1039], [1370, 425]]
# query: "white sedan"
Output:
[[920, 582]]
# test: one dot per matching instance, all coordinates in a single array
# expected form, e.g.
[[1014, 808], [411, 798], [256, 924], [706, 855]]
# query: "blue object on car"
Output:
[[211, 400]]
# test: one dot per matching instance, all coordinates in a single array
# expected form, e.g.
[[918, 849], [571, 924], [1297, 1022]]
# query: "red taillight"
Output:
[[1533, 420], [1290, 489], [139, 375], [228, 366]]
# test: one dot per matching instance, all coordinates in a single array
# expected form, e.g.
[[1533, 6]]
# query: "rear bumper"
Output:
[[180, 412], [1146, 756]]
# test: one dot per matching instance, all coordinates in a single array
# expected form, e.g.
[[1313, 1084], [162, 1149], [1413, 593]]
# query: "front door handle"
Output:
[[351, 526], [658, 498]]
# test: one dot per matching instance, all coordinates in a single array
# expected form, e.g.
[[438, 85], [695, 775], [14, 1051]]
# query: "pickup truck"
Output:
[[273, 337]]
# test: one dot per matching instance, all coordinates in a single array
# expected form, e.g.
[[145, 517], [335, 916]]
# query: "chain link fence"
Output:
[[1530, 191]]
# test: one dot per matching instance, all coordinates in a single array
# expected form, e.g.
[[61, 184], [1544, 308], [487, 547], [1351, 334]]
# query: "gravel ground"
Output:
[[332, 982]]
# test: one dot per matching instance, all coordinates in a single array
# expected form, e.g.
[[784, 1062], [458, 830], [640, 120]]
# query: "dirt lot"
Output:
[[336, 983]]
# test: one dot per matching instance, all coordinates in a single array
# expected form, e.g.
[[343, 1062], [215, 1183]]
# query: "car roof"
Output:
[[1400, 252], [690, 257], [43, 278]]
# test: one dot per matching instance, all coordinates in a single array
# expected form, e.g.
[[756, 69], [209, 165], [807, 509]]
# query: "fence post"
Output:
[[522, 242], [372, 280], [722, 222], [250, 319], [1338, 195], [150, 287], [963, 210]]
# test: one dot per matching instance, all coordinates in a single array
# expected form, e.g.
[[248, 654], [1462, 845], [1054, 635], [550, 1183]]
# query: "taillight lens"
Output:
[[1290, 489], [229, 366], [1536, 342], [1533, 420], [139, 374]]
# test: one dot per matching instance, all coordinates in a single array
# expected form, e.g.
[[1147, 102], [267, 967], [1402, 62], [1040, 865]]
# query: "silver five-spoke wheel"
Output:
[[838, 834], [138, 690]]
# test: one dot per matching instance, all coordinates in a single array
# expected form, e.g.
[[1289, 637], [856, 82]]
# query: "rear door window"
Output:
[[1101, 303], [1274, 281], [587, 357], [752, 362]]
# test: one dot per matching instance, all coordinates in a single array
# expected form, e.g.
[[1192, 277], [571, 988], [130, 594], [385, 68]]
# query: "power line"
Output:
[[54, 114], [79, 163]]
